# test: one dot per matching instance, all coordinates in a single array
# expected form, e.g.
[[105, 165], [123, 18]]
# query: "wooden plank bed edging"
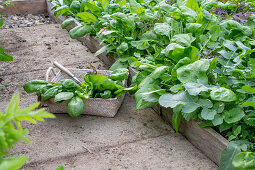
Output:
[[26, 7], [207, 140]]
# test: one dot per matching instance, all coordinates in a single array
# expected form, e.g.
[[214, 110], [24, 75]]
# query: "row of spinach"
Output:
[[189, 58]]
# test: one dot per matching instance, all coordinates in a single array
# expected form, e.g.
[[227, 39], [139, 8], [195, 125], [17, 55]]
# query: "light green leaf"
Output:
[[176, 118], [170, 100], [183, 39], [218, 119], [63, 96], [233, 115], [61, 10], [119, 74], [87, 17], [228, 154], [223, 94], [67, 22], [4, 56], [194, 72], [75, 106], [140, 45], [244, 161], [208, 114], [12, 163], [195, 88], [162, 29]]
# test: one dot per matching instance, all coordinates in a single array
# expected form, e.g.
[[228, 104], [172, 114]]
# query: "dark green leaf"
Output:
[[63, 96]]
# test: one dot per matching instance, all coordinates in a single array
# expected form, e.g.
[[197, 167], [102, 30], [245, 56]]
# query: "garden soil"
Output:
[[134, 139]]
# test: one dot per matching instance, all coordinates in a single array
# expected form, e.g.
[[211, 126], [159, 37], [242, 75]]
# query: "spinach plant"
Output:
[[94, 86]]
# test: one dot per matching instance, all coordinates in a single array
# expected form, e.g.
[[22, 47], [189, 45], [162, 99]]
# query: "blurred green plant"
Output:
[[3, 3], [11, 130]]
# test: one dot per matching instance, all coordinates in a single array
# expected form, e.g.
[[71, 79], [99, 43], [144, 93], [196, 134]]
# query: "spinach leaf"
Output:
[[75, 106]]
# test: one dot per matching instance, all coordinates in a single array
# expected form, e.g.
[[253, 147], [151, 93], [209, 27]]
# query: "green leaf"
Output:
[[176, 118], [61, 10], [183, 39], [140, 45], [4, 56], [230, 45], [208, 114], [12, 163], [244, 161], [122, 48], [170, 100], [228, 154], [218, 119], [34, 85], [104, 3], [80, 31], [75, 6], [190, 107], [223, 94], [194, 5], [107, 94], [194, 72], [162, 29], [75, 106], [192, 27], [93, 8], [95, 78], [69, 84], [1, 22], [205, 103], [119, 74], [195, 88], [101, 50], [87, 17], [248, 88], [63, 96], [250, 119], [233, 115], [67, 22], [135, 7], [60, 168], [50, 93]]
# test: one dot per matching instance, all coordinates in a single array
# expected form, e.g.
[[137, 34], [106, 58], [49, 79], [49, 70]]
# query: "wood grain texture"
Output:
[[27, 7], [207, 140]]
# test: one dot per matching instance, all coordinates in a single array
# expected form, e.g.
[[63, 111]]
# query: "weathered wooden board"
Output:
[[206, 139], [27, 7]]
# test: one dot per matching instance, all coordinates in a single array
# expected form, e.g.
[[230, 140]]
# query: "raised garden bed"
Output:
[[207, 140]]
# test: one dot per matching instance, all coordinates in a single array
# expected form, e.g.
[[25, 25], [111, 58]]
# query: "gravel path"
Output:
[[16, 21]]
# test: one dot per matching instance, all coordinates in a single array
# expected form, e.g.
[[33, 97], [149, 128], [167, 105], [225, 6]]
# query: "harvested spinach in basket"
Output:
[[94, 86]]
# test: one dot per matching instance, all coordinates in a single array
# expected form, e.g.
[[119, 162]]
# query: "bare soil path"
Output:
[[134, 139]]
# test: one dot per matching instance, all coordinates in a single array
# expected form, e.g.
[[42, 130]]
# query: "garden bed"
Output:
[[207, 140]]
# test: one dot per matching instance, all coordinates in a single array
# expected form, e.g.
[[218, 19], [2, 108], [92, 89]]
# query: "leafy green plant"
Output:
[[11, 130], [94, 86], [4, 56], [188, 57]]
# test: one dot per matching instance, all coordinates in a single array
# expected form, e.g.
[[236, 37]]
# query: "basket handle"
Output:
[[50, 69]]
